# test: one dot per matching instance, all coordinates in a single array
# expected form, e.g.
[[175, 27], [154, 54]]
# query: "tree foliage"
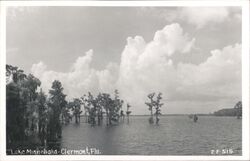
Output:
[[75, 106], [22, 106], [154, 105], [238, 107], [56, 103], [103, 103], [36, 118], [128, 112], [43, 116]]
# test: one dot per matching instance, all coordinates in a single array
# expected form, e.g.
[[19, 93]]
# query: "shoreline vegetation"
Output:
[[34, 120]]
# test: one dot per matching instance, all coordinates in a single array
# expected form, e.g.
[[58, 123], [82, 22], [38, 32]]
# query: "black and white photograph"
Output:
[[124, 80]]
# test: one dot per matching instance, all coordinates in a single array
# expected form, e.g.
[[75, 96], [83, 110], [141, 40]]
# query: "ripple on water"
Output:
[[176, 135]]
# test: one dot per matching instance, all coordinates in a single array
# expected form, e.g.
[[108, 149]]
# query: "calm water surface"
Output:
[[176, 135]]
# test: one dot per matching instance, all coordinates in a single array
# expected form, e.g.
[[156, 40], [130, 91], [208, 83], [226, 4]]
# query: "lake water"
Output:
[[176, 135]]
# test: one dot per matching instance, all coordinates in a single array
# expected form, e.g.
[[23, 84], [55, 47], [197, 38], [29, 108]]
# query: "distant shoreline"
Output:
[[225, 112], [177, 115]]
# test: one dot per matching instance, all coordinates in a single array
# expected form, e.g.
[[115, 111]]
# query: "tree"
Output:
[[99, 109], [21, 106], [94, 108], [238, 108], [56, 103], [31, 84], [154, 104], [105, 102], [43, 117], [15, 123], [76, 108], [128, 112], [92, 104], [29, 95], [117, 106], [84, 101], [66, 116], [158, 106], [14, 74], [151, 105]]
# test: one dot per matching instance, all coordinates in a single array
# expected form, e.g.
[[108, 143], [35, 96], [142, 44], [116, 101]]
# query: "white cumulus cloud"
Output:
[[80, 79], [147, 67], [218, 77]]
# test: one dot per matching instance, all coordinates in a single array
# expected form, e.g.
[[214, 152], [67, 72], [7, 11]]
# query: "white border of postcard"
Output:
[[245, 77]]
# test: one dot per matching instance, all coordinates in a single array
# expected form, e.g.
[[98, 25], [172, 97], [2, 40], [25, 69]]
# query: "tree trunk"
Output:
[[157, 119], [151, 119], [107, 118], [86, 117], [76, 119]]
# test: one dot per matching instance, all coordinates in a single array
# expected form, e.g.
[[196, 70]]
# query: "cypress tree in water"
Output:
[[128, 112], [75, 106], [158, 105], [95, 107], [84, 100], [22, 108], [56, 103], [154, 104], [43, 117], [238, 108], [151, 105]]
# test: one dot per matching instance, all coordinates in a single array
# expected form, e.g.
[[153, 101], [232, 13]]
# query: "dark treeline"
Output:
[[236, 111], [226, 112], [35, 119]]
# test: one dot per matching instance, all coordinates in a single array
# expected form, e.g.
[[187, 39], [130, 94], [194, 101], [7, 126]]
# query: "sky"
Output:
[[190, 54]]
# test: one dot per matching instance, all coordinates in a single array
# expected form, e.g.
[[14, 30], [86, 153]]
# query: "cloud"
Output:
[[79, 80], [201, 16], [207, 16], [148, 67], [218, 77], [108, 78]]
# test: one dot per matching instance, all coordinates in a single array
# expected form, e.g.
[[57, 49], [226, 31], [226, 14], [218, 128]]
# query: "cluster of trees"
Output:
[[32, 116], [154, 106], [226, 112], [238, 107], [236, 111], [103, 103], [96, 108], [36, 118]]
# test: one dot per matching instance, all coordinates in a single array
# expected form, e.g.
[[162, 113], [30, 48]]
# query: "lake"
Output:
[[175, 135]]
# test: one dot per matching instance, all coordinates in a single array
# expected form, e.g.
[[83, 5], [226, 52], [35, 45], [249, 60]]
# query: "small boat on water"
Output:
[[194, 117]]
